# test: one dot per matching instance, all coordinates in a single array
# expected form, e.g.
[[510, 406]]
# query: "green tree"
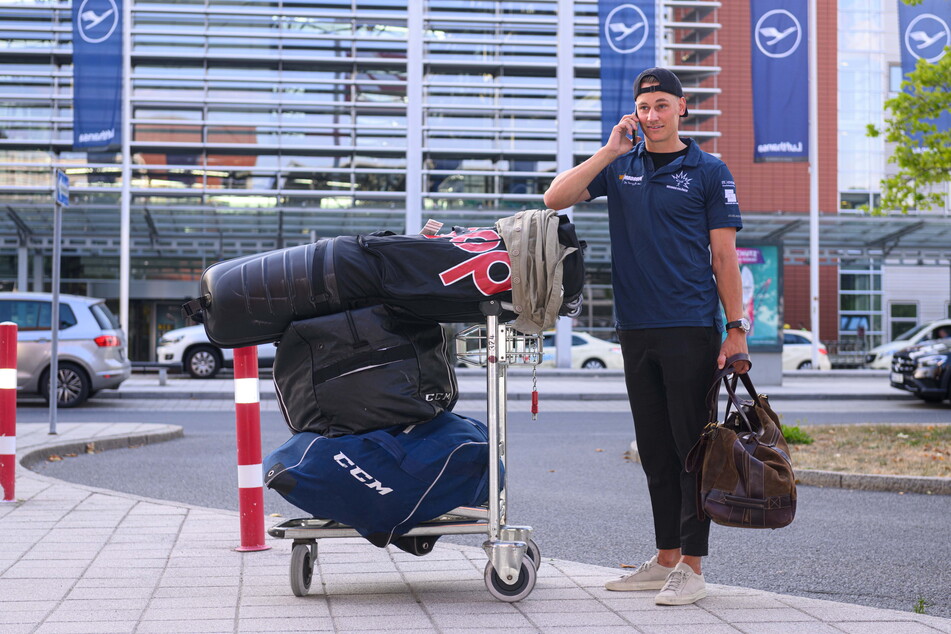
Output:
[[921, 167]]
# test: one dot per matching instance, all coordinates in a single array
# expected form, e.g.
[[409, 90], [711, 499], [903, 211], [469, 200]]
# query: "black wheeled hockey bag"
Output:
[[384, 482], [252, 299], [363, 369]]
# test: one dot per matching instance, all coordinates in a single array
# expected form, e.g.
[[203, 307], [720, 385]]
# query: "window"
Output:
[[792, 338], [902, 317], [105, 317], [861, 309], [33, 315], [895, 78]]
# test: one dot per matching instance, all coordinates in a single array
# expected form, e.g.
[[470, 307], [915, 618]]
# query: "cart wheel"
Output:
[[302, 569], [534, 553], [513, 592]]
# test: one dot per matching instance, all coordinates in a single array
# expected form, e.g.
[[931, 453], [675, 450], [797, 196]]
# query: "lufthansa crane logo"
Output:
[[926, 37], [98, 20], [778, 33], [626, 28]]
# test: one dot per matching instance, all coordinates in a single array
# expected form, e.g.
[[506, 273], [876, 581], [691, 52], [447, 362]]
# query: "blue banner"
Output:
[[780, 77], [627, 47], [97, 73], [924, 31]]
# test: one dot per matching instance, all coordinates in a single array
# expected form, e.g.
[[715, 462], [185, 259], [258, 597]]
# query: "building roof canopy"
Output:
[[881, 235]]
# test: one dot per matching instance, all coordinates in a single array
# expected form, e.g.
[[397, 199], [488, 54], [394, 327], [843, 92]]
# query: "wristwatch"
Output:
[[742, 323]]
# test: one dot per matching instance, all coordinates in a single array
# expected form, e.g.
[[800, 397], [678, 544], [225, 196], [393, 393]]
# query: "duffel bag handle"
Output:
[[721, 375], [385, 439], [734, 400]]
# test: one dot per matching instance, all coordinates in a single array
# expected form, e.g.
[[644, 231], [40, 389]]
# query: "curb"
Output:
[[119, 441], [516, 396], [925, 485], [873, 482]]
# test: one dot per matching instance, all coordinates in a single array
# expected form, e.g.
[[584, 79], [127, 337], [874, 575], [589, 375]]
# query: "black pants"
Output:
[[668, 372]]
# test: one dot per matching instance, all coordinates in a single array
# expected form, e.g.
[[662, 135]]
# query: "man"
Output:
[[673, 218]]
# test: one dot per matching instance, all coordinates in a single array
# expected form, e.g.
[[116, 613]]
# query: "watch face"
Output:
[[744, 324]]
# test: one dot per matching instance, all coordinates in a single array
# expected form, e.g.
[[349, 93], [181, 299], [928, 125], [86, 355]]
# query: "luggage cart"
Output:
[[514, 557]]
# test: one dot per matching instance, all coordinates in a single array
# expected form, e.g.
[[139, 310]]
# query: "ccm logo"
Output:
[[439, 396], [361, 475]]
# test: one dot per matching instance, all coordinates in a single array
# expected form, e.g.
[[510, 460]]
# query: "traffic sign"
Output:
[[62, 188]]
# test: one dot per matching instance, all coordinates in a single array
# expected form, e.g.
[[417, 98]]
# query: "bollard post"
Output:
[[247, 403], [8, 409]]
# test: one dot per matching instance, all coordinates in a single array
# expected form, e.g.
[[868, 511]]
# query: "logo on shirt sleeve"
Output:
[[729, 193]]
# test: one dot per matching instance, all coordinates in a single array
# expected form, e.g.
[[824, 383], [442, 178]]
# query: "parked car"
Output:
[[91, 347], [797, 351], [880, 357], [587, 352], [190, 349], [924, 370]]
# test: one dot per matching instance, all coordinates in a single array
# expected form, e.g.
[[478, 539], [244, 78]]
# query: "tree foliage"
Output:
[[922, 153]]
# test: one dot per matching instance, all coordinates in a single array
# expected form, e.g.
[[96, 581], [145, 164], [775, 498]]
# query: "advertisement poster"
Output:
[[760, 272]]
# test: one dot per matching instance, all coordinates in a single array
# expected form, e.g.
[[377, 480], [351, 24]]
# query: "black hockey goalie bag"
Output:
[[363, 369], [252, 300]]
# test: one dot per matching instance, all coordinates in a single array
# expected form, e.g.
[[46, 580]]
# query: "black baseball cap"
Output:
[[667, 82]]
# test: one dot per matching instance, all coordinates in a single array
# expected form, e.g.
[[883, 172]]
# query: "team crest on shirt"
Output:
[[681, 182]]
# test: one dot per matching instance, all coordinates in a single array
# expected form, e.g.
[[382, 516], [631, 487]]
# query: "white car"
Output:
[[797, 351], [587, 352], [880, 357], [190, 348]]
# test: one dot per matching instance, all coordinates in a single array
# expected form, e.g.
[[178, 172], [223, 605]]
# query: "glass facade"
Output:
[[259, 125], [863, 82], [860, 302]]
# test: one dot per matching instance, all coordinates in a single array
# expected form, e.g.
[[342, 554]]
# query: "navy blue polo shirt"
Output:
[[660, 224]]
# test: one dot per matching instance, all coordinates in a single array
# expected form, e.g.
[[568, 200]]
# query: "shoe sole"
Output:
[[640, 585], [680, 600]]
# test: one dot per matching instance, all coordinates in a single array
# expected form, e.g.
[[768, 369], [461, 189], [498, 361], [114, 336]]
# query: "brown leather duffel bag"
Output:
[[744, 474]]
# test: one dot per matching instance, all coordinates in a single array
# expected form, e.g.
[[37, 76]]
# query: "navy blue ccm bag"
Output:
[[384, 482]]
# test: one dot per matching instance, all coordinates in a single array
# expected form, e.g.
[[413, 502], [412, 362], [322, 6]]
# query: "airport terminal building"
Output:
[[257, 125]]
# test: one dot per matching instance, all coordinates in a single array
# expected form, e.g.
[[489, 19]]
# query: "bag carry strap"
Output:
[[722, 374], [734, 400], [194, 309], [323, 277], [385, 439]]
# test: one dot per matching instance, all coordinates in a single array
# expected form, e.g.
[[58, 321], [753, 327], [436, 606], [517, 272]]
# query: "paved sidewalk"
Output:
[[78, 559], [574, 385]]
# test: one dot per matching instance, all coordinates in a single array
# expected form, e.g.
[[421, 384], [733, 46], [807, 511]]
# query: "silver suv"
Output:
[[91, 347]]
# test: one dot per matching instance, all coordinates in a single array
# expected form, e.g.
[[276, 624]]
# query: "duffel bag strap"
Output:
[[385, 439], [194, 309], [323, 280], [721, 375]]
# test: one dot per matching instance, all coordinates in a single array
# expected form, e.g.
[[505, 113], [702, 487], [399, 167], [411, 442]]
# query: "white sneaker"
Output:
[[683, 587], [650, 575]]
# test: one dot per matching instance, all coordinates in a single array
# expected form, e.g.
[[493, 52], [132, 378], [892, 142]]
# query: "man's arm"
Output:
[[571, 186], [726, 268]]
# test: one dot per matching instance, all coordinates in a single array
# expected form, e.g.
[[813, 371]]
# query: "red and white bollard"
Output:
[[247, 404], [8, 409]]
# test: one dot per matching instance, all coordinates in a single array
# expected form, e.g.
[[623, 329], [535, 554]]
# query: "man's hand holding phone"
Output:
[[624, 135]]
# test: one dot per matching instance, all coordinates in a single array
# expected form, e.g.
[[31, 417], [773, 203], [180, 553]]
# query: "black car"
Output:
[[924, 370]]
